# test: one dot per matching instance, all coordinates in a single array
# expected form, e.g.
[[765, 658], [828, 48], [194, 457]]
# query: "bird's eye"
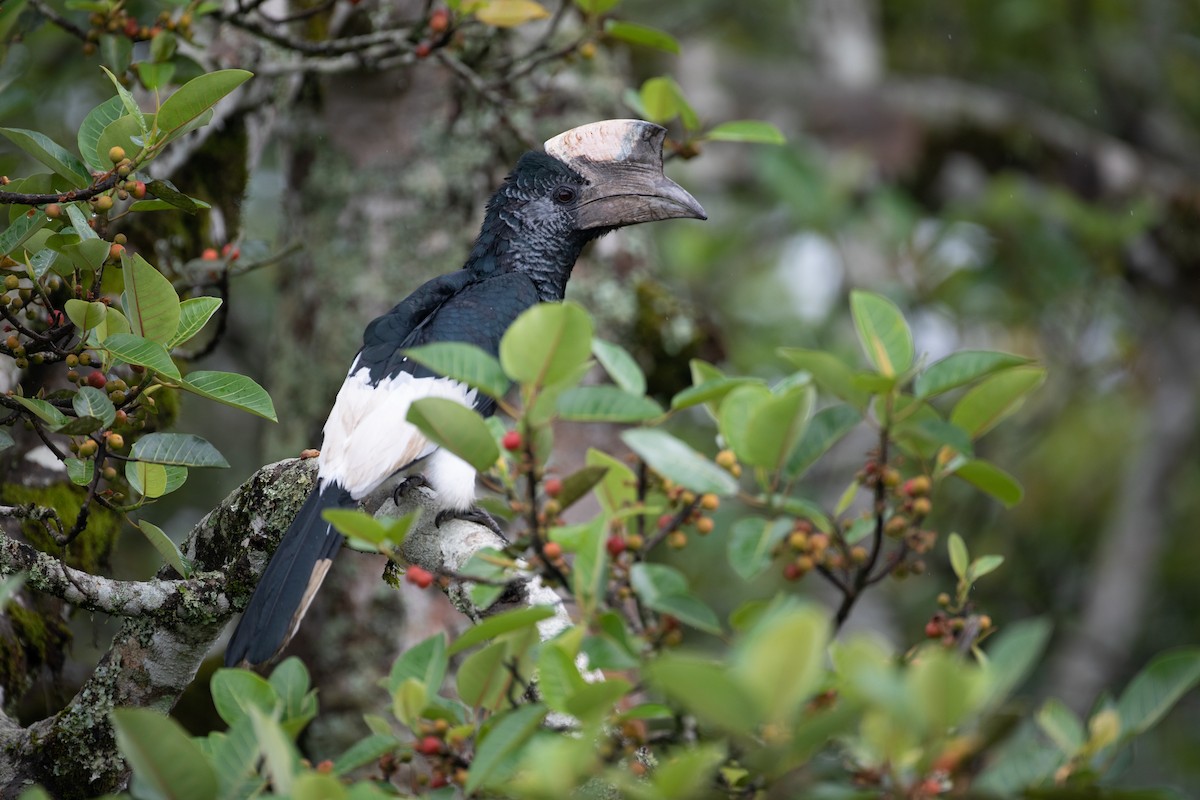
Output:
[[564, 194]]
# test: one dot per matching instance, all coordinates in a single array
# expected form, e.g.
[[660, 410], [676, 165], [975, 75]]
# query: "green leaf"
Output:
[[606, 404], [751, 541], [154, 76], [151, 480], [510, 13], [706, 689], [482, 677], [9, 587], [6, 440], [664, 589], [1158, 687], [194, 313], [776, 426], [162, 205], [197, 96], [124, 132], [781, 659], [317, 785], [829, 372], [492, 627], [116, 50], [294, 686], [86, 254], [426, 662], [234, 755], [92, 402], [365, 751], [358, 525], [463, 362], [943, 688], [597, 698], [1012, 654], [618, 490], [925, 433], [166, 548], [735, 413], [755, 131], [459, 429], [558, 677], [44, 411], [131, 106], [162, 46], [1062, 726], [641, 35], [20, 230], [486, 564], [231, 389], [662, 100], [236, 691], [883, 333], [589, 577], [673, 459], [80, 470], [959, 560], [50, 154], [151, 303], [825, 429], [179, 449], [595, 7], [495, 754], [983, 566], [165, 190], [984, 406], [620, 366], [134, 349], [578, 484], [959, 369], [280, 759], [687, 774], [79, 222], [709, 391], [989, 478], [164, 758], [547, 344], [87, 315]]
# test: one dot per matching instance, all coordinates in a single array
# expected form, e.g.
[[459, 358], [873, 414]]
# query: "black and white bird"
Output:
[[590, 180]]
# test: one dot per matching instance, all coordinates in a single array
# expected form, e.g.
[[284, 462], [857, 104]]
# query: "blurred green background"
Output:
[[1017, 174]]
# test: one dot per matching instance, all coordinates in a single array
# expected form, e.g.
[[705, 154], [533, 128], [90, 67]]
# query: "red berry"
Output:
[[792, 572], [439, 21], [615, 545], [552, 550], [139, 190], [210, 254], [665, 521], [420, 578], [429, 746], [115, 251], [97, 379], [553, 487], [131, 28], [511, 441], [438, 780], [423, 49]]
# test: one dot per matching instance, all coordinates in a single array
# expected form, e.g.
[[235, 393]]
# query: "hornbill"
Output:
[[590, 180]]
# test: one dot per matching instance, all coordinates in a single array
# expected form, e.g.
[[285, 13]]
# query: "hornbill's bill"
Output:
[[590, 180]]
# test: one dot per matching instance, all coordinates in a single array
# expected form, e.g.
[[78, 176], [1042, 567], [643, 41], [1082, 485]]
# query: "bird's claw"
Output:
[[407, 485], [476, 515]]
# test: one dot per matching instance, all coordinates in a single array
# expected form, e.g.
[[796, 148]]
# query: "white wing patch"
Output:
[[367, 438]]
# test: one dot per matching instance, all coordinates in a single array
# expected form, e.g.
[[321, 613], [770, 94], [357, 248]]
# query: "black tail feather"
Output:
[[289, 581]]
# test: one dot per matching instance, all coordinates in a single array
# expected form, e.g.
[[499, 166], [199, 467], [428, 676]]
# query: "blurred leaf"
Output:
[[709, 391], [576, 485], [166, 548], [165, 191], [735, 413], [151, 303], [547, 344], [232, 389], [927, 433], [482, 677], [1022, 761], [194, 313], [80, 470], [673, 459], [1012, 655], [364, 752], [355, 524], [830, 373], [685, 774], [944, 689], [484, 565], [958, 369], [197, 96], [298, 699], [317, 786], [989, 478], [985, 405], [116, 50], [463, 362], [496, 753], [163, 205], [280, 759], [706, 689], [457, 428], [234, 755], [162, 46], [776, 427], [983, 566], [425, 662], [154, 76], [746, 130], [236, 691], [593, 699], [180, 449], [510, 13], [558, 677], [662, 100], [605, 404], [781, 659], [589, 578], [1157, 688], [633, 33], [959, 560], [51, 155], [664, 589], [882, 331], [6, 440], [620, 366], [618, 489], [597, 6], [825, 429], [751, 542], [1062, 726], [164, 758], [492, 627]]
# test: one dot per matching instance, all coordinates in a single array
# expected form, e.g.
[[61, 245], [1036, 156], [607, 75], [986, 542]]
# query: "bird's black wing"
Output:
[[391, 331], [478, 313]]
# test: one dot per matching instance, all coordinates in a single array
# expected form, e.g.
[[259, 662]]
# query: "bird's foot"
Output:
[[473, 514], [409, 484]]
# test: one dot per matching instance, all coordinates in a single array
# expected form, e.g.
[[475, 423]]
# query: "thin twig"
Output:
[[100, 187]]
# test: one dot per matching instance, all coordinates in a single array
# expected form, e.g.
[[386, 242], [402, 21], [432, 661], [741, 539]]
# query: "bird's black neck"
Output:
[[546, 258]]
